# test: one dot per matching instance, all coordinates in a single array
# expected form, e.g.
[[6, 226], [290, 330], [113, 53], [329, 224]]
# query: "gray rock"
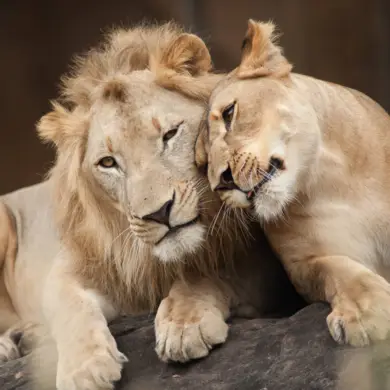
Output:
[[295, 353]]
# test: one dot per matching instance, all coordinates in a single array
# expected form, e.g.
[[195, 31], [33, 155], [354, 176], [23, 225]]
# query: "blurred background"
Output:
[[344, 41]]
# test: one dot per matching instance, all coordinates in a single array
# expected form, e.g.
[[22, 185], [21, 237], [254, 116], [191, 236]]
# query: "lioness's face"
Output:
[[140, 152], [258, 143], [262, 135]]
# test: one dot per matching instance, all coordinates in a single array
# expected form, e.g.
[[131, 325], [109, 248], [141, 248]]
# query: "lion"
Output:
[[309, 159], [125, 222]]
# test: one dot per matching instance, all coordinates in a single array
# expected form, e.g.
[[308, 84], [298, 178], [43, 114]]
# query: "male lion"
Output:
[[312, 160], [122, 220]]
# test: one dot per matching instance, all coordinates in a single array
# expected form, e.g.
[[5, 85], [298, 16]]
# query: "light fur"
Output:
[[325, 207], [87, 248]]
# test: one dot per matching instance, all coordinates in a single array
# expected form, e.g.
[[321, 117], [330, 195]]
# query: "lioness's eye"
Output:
[[108, 162], [227, 115]]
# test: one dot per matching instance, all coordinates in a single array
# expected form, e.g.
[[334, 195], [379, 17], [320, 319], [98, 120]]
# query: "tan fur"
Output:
[[79, 206], [326, 210], [8, 249], [87, 242]]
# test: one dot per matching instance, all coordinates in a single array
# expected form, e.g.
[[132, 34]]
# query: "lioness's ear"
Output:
[[186, 54], [201, 147], [60, 126], [260, 54]]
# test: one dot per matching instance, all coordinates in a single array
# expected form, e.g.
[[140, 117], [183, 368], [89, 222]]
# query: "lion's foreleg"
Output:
[[77, 317], [8, 249], [19, 340], [191, 319]]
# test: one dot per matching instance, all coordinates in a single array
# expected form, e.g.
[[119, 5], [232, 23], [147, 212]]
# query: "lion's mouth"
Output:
[[174, 229]]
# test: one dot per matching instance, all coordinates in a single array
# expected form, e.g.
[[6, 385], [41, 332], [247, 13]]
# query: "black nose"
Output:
[[161, 215], [226, 181]]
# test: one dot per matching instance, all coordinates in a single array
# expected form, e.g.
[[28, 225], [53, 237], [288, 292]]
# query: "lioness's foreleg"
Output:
[[360, 298], [88, 357], [191, 319]]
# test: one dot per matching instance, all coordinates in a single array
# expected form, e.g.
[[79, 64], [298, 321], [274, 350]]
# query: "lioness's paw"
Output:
[[188, 332], [363, 321], [93, 365]]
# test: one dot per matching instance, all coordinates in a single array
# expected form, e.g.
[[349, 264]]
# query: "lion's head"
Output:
[[260, 133], [125, 175]]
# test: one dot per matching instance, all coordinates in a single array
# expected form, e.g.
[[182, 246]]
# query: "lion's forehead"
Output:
[[144, 110], [137, 92]]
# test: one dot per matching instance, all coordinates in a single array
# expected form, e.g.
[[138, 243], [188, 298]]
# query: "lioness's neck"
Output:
[[352, 127]]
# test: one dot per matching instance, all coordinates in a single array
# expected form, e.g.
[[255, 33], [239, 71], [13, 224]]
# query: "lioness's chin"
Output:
[[235, 198], [176, 247], [266, 205]]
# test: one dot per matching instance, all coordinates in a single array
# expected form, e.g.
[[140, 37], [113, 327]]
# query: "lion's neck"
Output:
[[124, 268]]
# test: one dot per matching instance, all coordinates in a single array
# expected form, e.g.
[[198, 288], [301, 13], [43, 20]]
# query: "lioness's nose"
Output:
[[162, 214], [226, 181]]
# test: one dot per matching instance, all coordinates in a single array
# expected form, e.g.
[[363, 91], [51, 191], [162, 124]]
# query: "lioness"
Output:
[[311, 159], [125, 218]]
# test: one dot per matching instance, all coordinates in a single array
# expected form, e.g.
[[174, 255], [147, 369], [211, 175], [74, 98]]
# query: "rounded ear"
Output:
[[184, 58], [187, 54], [60, 126], [202, 148], [260, 54]]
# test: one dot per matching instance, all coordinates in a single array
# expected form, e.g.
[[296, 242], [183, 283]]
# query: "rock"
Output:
[[295, 353]]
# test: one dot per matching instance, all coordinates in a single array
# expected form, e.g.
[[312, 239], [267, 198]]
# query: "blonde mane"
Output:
[[125, 51], [111, 258]]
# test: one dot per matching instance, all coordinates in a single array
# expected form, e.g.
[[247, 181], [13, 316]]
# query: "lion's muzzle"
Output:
[[162, 214]]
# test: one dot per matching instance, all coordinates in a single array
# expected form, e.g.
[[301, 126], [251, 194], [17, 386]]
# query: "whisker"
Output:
[[214, 221]]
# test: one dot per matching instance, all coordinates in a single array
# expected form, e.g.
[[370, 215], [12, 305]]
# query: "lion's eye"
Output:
[[108, 162], [228, 114], [170, 134]]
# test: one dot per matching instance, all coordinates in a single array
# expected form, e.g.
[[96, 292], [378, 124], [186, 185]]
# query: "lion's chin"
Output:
[[184, 242]]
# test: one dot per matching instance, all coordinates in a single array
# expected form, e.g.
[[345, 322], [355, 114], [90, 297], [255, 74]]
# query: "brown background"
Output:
[[344, 41]]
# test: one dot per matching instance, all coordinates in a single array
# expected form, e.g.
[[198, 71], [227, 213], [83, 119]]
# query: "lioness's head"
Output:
[[260, 133], [126, 140]]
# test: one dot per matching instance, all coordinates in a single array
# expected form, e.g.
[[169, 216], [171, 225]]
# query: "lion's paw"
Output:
[[9, 349], [188, 332], [363, 321], [95, 365]]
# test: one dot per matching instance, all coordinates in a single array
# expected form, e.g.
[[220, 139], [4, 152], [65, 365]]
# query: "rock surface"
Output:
[[295, 353]]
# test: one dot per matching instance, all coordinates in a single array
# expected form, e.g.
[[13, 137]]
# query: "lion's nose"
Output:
[[226, 181], [162, 214]]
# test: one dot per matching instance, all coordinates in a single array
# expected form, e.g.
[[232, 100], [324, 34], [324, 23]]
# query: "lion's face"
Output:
[[260, 135], [127, 144], [140, 152]]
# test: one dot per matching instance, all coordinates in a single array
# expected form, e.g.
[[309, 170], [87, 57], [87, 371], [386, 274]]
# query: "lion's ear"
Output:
[[184, 58], [60, 126], [186, 54], [201, 147], [260, 54]]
